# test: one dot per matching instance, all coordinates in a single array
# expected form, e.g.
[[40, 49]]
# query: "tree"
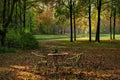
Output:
[[90, 20], [69, 5], [71, 27], [111, 24], [20, 13], [75, 12], [24, 15], [114, 14], [61, 16], [99, 4]]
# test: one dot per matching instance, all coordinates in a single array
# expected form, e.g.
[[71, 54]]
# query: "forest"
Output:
[[30, 29]]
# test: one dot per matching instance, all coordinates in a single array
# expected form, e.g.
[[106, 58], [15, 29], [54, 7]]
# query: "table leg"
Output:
[[56, 66]]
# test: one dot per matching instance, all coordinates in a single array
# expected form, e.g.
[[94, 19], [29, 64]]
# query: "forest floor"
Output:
[[99, 61]]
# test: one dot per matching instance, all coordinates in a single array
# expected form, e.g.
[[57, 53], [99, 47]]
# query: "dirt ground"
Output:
[[97, 63]]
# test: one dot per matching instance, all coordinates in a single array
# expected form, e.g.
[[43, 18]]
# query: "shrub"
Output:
[[21, 40], [7, 50], [12, 39], [28, 41]]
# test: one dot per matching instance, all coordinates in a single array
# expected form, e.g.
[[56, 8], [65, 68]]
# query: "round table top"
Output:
[[57, 54]]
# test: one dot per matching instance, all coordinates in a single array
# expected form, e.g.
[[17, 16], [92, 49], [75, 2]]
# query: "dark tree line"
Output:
[[13, 13], [8, 9]]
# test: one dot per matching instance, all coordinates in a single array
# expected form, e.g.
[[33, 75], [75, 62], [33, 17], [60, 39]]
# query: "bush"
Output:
[[21, 40], [28, 41], [7, 50]]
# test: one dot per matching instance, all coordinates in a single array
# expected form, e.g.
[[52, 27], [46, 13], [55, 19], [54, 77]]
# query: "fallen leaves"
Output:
[[96, 64]]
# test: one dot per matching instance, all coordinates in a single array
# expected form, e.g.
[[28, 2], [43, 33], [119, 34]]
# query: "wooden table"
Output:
[[55, 57]]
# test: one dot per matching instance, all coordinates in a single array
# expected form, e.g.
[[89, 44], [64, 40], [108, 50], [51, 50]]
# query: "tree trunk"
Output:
[[8, 7], [89, 21], [74, 27], [30, 22], [3, 32], [71, 28], [16, 17], [111, 25], [4, 13], [114, 24], [98, 24], [20, 14], [24, 15], [74, 21]]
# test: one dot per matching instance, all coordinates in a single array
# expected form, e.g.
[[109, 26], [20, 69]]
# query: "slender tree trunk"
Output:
[[64, 30], [20, 18], [98, 24], [74, 27], [30, 22], [114, 24], [61, 29], [24, 15], [4, 13], [71, 27], [74, 21], [8, 7], [89, 21], [16, 17], [3, 32], [111, 25]]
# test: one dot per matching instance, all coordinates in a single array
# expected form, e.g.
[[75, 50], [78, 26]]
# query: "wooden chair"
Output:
[[74, 60]]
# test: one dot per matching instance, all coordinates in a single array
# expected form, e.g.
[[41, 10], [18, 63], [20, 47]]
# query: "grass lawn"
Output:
[[100, 61], [79, 37], [50, 37]]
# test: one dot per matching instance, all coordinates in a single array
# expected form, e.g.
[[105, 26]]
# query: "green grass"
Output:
[[107, 37], [50, 37], [79, 37], [82, 40]]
